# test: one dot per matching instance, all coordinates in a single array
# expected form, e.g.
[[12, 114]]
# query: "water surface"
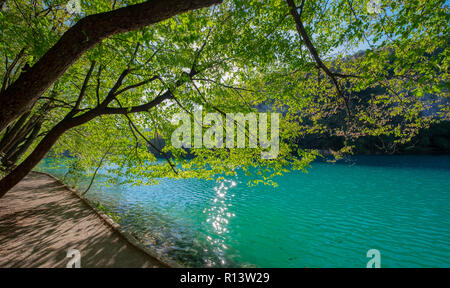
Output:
[[329, 217]]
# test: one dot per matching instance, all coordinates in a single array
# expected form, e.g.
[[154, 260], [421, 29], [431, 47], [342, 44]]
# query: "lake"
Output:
[[329, 217]]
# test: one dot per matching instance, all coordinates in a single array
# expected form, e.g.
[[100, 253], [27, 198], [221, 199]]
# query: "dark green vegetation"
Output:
[[102, 83]]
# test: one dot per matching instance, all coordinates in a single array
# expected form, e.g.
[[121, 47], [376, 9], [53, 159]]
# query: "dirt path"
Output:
[[40, 220]]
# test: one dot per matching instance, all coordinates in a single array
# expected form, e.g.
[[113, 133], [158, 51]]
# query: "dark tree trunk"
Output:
[[11, 134], [19, 137], [39, 152], [21, 95], [13, 156], [32, 160]]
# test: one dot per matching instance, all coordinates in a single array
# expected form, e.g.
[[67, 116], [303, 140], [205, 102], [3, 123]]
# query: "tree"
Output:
[[388, 90], [244, 57], [21, 95], [198, 46]]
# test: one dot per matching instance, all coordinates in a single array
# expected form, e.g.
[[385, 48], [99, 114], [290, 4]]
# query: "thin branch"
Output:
[[140, 108], [144, 107], [304, 35], [350, 4], [199, 51], [136, 140], [344, 76], [136, 85], [181, 106], [96, 170], [9, 68], [153, 55], [83, 88], [134, 55], [112, 91], [206, 102], [301, 7], [97, 89], [223, 113], [225, 85], [146, 140], [65, 104]]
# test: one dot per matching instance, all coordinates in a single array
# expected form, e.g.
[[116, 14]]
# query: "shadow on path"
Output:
[[40, 220]]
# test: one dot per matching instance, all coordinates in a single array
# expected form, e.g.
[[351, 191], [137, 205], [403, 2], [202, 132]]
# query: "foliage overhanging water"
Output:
[[329, 217]]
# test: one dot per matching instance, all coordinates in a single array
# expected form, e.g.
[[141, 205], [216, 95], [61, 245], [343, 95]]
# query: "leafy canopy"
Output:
[[238, 57]]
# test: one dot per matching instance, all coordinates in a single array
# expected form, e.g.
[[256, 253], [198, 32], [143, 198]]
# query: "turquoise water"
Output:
[[329, 217]]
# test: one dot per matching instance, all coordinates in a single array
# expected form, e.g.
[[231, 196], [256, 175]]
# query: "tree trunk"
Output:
[[11, 133], [21, 135], [18, 173], [39, 152], [15, 155], [21, 95]]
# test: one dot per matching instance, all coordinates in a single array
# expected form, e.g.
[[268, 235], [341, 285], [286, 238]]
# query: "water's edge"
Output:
[[329, 217], [116, 227]]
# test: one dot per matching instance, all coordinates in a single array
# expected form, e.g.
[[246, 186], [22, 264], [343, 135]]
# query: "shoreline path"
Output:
[[40, 220]]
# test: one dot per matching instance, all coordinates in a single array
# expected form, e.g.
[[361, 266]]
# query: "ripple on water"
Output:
[[327, 218]]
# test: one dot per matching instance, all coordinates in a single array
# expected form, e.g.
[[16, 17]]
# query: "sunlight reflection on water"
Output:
[[218, 216], [396, 204]]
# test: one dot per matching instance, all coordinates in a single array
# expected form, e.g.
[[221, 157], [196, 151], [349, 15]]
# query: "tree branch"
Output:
[[304, 35], [21, 95], [97, 88], [140, 108], [146, 140], [83, 88], [9, 68], [112, 91], [136, 85], [96, 170]]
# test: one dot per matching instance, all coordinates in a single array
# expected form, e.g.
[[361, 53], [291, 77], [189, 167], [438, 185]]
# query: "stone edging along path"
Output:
[[117, 228], [42, 219]]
